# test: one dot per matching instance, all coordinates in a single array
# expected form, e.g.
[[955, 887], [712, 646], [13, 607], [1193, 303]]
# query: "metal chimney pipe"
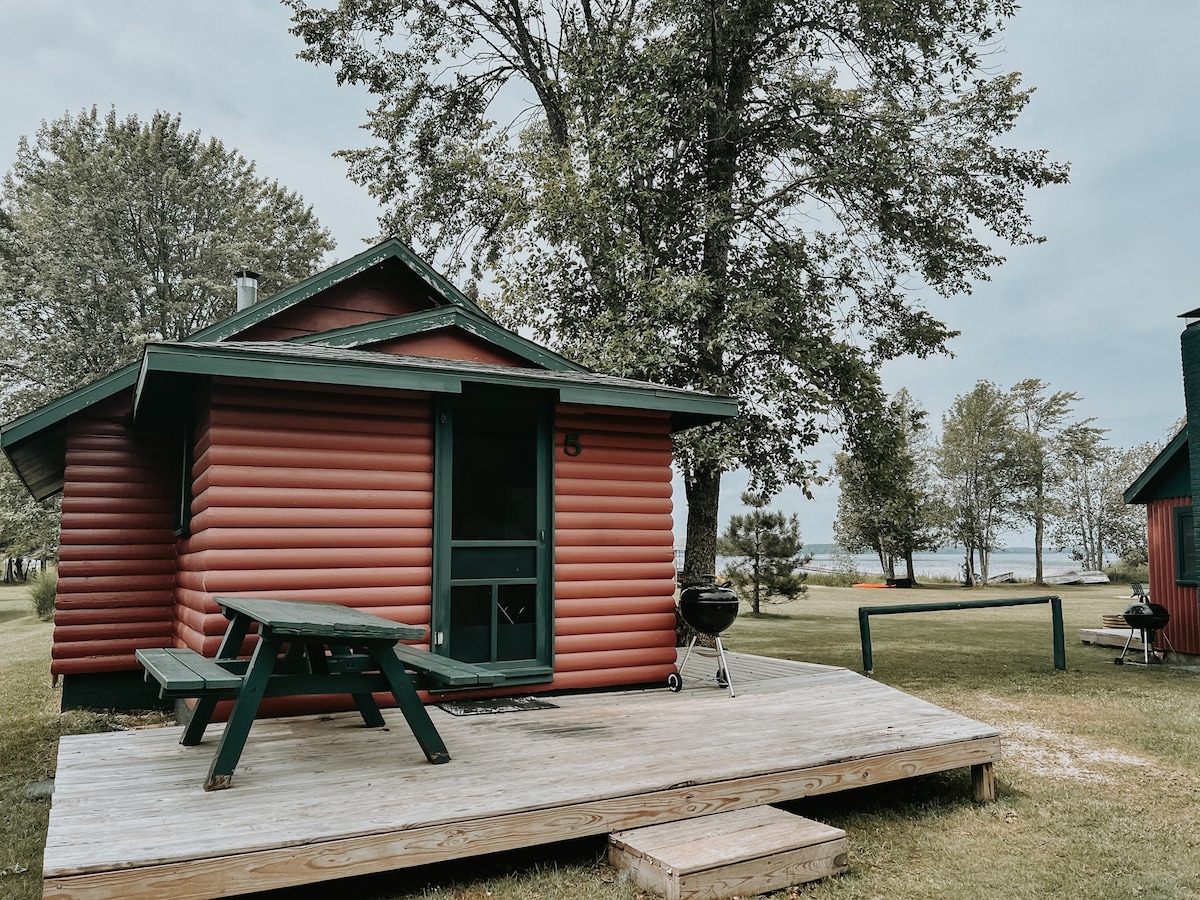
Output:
[[247, 288]]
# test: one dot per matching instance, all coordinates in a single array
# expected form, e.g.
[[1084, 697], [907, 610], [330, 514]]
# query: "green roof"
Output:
[[165, 367], [1168, 475]]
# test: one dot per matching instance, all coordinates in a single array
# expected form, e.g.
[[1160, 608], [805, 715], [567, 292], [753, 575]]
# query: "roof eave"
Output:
[[1161, 461]]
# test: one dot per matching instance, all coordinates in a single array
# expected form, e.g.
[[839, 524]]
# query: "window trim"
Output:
[[1185, 551]]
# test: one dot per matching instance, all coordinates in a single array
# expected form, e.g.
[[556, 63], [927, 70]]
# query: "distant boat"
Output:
[[1076, 577]]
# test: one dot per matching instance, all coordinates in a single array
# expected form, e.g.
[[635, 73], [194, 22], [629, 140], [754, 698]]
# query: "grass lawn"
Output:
[[1098, 789]]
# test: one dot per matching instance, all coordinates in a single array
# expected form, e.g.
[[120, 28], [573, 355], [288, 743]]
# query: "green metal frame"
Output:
[[865, 612], [542, 669]]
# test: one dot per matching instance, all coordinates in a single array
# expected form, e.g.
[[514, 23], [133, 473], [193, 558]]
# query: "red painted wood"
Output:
[[613, 503], [316, 498], [116, 631], [608, 605], [294, 537], [115, 600], [100, 616], [92, 665], [268, 478], [592, 521], [587, 537], [347, 455], [1181, 601], [97, 567], [618, 554], [615, 659], [589, 487], [449, 343], [303, 519], [231, 438], [594, 572], [614, 640], [331, 581], [274, 558], [571, 625]]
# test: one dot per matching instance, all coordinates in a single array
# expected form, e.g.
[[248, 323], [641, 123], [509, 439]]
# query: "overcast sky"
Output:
[[1093, 310]]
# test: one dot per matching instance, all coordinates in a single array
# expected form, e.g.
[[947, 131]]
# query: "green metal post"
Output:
[[864, 634], [1060, 643]]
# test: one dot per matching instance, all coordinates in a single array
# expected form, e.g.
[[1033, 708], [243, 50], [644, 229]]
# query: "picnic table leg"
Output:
[[245, 707], [410, 704], [231, 646], [367, 707]]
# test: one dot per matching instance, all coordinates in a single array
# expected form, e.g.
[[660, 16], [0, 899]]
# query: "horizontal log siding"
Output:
[[116, 571], [614, 549], [308, 495], [1183, 630]]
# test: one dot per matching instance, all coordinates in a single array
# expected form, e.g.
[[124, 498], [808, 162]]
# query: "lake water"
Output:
[[945, 563]]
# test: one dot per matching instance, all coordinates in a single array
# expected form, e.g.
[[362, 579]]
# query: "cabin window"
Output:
[[1185, 546]]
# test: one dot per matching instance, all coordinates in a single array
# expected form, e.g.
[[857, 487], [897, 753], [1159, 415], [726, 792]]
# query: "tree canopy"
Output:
[[115, 232], [740, 198], [884, 504]]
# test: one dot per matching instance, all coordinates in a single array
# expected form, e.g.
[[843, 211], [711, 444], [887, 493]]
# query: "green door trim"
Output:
[[541, 668]]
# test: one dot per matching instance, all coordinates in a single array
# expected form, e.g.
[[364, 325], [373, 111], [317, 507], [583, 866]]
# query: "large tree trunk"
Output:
[[703, 488]]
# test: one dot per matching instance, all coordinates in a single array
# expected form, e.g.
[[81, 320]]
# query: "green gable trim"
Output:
[[1167, 475], [367, 333], [162, 364], [36, 443], [322, 281], [68, 404]]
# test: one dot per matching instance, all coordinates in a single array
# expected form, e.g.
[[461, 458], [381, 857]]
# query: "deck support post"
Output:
[[983, 783]]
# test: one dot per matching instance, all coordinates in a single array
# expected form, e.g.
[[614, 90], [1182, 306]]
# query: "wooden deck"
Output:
[[322, 797]]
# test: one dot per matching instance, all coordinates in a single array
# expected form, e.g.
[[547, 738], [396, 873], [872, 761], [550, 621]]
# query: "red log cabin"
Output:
[[368, 437], [1167, 488]]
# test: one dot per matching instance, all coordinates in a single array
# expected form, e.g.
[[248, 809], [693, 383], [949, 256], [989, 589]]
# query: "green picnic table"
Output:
[[303, 648]]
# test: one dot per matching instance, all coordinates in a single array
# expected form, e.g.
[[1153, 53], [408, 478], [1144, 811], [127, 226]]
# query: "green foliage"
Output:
[[766, 547], [28, 529], [1091, 519], [42, 588], [116, 232], [883, 502], [736, 198], [982, 469]]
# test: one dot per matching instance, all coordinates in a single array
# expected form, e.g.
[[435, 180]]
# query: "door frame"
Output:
[[541, 669]]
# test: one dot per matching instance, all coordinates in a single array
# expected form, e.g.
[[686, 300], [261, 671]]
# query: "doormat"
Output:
[[494, 705]]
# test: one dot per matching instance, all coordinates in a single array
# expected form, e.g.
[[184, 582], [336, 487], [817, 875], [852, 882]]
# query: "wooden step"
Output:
[[738, 853]]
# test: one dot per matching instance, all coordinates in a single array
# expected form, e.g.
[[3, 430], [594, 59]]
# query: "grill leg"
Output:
[[1125, 649], [691, 644], [724, 666]]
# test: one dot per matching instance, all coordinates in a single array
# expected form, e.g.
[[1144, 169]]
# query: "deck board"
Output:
[[321, 797]]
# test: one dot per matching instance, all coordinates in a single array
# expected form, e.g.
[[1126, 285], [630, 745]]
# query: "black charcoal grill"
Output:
[[709, 609], [1148, 618]]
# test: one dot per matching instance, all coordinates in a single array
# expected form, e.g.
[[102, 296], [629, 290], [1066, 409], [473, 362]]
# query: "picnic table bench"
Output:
[[330, 649]]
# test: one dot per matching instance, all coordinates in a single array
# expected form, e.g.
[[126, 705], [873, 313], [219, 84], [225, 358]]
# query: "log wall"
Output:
[[614, 572], [117, 544], [308, 496], [1180, 600]]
